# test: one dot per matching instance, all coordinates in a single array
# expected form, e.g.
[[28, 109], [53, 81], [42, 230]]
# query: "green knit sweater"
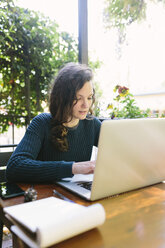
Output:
[[35, 160]]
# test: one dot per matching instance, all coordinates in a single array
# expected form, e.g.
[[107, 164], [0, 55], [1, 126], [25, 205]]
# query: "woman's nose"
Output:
[[85, 103]]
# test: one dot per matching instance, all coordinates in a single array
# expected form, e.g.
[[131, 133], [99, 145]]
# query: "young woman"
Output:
[[59, 144]]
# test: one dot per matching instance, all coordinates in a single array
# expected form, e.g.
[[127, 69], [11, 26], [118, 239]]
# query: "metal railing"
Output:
[[8, 146], [13, 121]]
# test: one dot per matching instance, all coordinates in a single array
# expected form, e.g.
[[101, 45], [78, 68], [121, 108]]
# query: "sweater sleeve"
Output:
[[23, 165]]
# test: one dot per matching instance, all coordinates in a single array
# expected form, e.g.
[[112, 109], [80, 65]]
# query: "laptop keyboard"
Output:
[[86, 185]]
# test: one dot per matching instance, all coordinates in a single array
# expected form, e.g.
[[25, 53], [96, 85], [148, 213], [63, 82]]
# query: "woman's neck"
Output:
[[72, 123]]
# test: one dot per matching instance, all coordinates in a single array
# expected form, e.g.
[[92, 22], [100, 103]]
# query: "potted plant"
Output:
[[124, 105]]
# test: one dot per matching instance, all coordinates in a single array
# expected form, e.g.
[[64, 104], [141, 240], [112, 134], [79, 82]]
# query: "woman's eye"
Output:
[[80, 98], [90, 98]]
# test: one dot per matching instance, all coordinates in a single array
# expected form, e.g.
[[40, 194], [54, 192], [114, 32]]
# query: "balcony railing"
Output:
[[13, 121]]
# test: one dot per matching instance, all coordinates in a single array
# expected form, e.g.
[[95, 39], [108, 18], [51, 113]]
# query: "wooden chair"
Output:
[[4, 157]]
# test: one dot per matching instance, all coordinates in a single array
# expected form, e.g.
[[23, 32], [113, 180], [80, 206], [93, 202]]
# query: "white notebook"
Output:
[[45, 222]]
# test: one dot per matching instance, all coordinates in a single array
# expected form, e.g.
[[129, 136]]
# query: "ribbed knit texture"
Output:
[[35, 160]]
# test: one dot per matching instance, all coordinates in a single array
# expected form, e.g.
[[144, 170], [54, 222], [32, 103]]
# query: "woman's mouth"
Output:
[[83, 112]]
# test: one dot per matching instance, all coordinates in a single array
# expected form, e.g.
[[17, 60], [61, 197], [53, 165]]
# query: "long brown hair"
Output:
[[69, 80]]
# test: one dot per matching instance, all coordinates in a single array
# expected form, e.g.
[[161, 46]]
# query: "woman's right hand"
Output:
[[86, 167]]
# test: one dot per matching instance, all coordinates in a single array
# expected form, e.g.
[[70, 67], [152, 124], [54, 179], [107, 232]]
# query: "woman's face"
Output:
[[84, 99]]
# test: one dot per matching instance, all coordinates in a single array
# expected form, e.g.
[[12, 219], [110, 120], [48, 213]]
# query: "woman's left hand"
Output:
[[86, 167]]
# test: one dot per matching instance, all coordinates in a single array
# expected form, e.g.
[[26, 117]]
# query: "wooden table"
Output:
[[133, 219]]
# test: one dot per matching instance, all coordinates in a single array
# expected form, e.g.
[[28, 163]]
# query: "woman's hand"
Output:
[[86, 167]]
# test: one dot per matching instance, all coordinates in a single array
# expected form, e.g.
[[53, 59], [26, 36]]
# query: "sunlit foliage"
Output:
[[31, 51]]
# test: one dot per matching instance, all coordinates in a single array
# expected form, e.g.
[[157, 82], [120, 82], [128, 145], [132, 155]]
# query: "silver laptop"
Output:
[[131, 155]]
